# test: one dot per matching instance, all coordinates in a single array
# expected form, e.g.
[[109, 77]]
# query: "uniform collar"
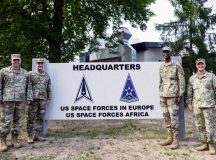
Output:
[[168, 64], [42, 73], [15, 70], [204, 75]]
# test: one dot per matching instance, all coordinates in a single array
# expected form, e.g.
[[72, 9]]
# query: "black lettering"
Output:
[[75, 67], [136, 114], [98, 67], [68, 115], [105, 108], [80, 115], [138, 67], [132, 67], [127, 67], [121, 66], [123, 107], [110, 67], [92, 67], [81, 67], [64, 108], [104, 67], [80, 108], [87, 67], [141, 107], [110, 114], [116, 67]]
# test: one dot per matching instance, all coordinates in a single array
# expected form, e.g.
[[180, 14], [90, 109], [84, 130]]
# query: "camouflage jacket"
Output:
[[172, 81], [41, 85], [201, 91], [14, 85]]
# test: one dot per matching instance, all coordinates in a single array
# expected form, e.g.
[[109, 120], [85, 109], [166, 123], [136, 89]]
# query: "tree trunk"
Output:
[[55, 39]]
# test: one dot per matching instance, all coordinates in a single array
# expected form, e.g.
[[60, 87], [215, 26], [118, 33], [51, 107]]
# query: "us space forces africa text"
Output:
[[107, 111]]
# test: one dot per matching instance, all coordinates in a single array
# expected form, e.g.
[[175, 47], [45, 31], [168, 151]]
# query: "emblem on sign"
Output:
[[129, 93], [83, 91]]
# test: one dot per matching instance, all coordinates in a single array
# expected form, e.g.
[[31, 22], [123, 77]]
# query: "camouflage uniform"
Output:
[[172, 85], [41, 87], [201, 94], [15, 89]]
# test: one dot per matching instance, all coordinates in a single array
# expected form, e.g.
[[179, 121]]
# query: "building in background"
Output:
[[124, 52]]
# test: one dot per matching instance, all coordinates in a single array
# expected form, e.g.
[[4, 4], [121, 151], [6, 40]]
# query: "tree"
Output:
[[60, 29], [189, 30]]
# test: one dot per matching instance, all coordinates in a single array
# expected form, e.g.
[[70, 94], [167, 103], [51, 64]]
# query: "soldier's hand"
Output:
[[28, 102], [48, 102], [190, 108], [215, 108], [178, 100]]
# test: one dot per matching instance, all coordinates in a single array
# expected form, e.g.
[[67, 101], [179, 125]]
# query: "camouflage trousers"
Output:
[[205, 123], [170, 113], [36, 113], [11, 118], [1, 112]]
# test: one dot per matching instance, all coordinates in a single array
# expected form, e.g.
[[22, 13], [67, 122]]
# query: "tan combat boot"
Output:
[[3, 144], [167, 141], [175, 143], [38, 137], [211, 149], [30, 139], [203, 147], [14, 141]]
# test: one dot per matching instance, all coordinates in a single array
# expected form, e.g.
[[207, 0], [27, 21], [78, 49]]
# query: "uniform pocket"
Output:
[[172, 73]]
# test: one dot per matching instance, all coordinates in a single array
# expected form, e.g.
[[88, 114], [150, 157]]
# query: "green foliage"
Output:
[[190, 32], [60, 29]]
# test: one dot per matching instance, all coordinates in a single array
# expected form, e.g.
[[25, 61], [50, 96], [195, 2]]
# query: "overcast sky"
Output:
[[163, 13]]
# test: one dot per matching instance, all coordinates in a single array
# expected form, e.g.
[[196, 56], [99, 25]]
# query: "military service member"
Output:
[[172, 86], [40, 81], [15, 91], [201, 96]]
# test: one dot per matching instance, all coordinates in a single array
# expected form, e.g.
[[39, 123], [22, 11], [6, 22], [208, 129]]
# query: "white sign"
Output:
[[104, 91]]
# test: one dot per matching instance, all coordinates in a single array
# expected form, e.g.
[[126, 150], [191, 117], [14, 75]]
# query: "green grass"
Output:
[[93, 129], [45, 157], [190, 133], [84, 156], [7, 156], [41, 157], [92, 133], [130, 125]]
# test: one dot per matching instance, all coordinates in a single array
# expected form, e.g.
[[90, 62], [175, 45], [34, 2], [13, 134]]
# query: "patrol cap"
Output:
[[15, 56], [39, 60], [200, 60], [166, 48]]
